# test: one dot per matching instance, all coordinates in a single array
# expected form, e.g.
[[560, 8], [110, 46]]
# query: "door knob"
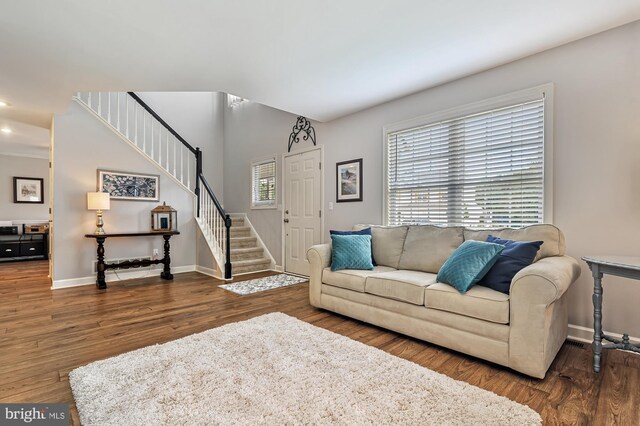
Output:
[[286, 221], [286, 212]]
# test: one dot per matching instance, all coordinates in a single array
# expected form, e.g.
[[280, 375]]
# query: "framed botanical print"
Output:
[[28, 190], [349, 181], [129, 186]]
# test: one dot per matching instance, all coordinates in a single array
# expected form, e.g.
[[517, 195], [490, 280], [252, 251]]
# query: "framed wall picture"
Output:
[[28, 190], [349, 181], [129, 186]]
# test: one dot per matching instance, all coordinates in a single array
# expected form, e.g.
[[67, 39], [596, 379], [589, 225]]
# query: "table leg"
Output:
[[100, 281], [166, 272], [597, 318]]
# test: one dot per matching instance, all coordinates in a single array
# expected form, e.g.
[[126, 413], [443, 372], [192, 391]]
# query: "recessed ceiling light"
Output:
[[3, 104], [5, 130]]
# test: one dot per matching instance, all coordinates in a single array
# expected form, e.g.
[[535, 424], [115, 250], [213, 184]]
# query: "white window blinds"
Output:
[[480, 170], [263, 183]]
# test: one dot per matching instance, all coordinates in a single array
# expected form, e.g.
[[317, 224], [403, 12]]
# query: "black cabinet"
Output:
[[23, 247], [9, 249]]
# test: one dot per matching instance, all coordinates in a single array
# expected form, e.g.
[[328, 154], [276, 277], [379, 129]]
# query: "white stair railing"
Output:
[[216, 226], [136, 123]]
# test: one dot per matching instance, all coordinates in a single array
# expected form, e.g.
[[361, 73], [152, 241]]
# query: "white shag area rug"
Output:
[[275, 369], [262, 284]]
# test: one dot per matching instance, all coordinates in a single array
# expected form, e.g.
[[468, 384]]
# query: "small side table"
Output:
[[102, 266], [622, 266]]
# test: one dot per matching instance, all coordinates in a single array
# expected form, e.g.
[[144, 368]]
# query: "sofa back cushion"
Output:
[[427, 247], [552, 237], [386, 243]]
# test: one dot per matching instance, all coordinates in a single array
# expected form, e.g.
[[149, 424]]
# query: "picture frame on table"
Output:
[[28, 190], [129, 186], [349, 181]]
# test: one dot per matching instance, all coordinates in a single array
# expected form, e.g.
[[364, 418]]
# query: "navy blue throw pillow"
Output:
[[515, 256], [365, 231]]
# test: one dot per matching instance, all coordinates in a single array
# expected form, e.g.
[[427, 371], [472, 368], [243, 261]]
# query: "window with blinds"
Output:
[[480, 170], [263, 183]]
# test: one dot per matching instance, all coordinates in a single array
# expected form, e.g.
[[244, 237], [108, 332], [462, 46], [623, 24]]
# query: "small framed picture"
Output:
[[129, 186], [349, 181], [28, 190]]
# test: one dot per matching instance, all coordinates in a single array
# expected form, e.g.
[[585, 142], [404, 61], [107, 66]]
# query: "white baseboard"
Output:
[[585, 334], [110, 276], [279, 268], [208, 271]]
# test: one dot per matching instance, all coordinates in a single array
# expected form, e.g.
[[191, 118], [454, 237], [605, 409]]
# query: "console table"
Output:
[[622, 266], [102, 266]]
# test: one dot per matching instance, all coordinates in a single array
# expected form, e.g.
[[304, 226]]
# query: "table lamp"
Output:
[[98, 201]]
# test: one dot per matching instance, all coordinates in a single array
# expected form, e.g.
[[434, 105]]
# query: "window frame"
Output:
[[264, 205], [521, 96]]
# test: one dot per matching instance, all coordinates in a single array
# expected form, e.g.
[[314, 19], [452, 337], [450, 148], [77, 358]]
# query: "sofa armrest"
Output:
[[319, 257], [538, 313], [546, 280], [320, 254]]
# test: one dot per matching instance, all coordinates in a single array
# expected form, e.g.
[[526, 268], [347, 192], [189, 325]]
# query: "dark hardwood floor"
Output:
[[45, 334]]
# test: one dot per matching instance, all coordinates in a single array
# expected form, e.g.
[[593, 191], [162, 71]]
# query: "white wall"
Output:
[[81, 146], [596, 154], [12, 166]]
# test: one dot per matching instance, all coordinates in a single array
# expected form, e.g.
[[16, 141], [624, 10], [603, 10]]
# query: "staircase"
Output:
[[247, 255], [142, 128]]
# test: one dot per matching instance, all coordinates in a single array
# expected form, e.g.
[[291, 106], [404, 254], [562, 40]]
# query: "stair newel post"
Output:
[[227, 265], [198, 173]]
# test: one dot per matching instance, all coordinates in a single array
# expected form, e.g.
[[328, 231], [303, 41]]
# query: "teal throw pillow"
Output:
[[351, 252], [468, 264]]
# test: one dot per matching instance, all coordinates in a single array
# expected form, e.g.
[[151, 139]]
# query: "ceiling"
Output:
[[321, 59]]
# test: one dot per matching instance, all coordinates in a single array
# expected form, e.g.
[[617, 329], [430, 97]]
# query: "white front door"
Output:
[[302, 208]]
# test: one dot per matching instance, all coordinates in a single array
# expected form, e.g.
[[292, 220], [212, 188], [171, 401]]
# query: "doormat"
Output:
[[262, 284]]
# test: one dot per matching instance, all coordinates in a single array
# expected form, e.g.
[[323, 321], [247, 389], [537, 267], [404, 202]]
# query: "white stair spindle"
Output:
[[89, 99], [151, 140], [160, 145], [126, 110], [189, 171], [167, 156], [144, 132], [135, 120], [118, 112], [181, 164], [216, 219], [100, 104], [175, 157], [109, 108]]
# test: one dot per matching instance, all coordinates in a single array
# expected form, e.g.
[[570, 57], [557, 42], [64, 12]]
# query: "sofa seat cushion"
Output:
[[351, 279], [479, 302], [405, 286]]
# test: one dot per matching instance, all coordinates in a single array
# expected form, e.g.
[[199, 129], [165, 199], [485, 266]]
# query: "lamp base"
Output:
[[99, 224]]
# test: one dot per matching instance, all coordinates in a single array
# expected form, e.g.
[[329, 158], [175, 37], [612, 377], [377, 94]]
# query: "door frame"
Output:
[[284, 197]]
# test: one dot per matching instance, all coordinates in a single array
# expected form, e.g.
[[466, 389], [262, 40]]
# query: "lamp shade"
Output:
[[98, 201]]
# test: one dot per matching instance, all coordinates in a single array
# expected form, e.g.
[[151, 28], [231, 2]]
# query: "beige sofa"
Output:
[[522, 330]]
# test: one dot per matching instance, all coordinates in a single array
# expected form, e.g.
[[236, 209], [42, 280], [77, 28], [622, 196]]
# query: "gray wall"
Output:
[[596, 154], [198, 118], [81, 146], [11, 166], [251, 132]]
